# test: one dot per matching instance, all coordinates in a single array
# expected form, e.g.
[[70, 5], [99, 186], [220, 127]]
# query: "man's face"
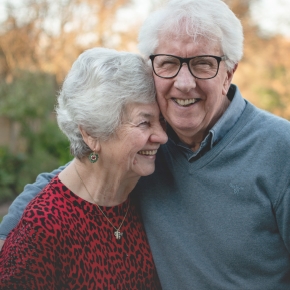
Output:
[[207, 98]]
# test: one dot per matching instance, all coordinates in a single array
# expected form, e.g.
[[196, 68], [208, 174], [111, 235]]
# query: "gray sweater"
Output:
[[220, 221]]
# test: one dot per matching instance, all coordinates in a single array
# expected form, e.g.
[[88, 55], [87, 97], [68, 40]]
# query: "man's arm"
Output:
[[17, 207], [282, 211]]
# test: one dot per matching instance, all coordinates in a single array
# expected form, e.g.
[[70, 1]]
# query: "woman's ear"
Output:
[[92, 143]]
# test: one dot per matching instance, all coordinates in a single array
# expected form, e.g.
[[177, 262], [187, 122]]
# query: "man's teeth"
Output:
[[185, 102], [147, 152]]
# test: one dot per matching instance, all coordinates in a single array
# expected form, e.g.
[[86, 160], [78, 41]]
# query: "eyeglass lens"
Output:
[[200, 66]]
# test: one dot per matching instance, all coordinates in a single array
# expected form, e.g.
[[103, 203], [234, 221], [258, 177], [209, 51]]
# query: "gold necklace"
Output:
[[117, 232]]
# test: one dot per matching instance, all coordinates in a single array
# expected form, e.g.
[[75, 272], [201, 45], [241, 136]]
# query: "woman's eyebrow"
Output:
[[146, 115]]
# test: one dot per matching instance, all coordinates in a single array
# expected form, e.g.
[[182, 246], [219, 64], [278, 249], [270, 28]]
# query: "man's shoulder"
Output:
[[255, 116], [273, 124], [265, 132]]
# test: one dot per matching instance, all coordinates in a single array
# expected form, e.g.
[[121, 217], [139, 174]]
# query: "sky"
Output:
[[271, 15]]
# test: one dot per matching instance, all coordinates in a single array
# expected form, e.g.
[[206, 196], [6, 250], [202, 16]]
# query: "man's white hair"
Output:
[[198, 18]]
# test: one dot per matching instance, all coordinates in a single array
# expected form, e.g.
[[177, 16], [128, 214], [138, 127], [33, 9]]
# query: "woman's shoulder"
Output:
[[46, 204]]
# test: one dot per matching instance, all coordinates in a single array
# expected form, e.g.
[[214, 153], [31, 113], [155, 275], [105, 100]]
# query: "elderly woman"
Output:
[[84, 231]]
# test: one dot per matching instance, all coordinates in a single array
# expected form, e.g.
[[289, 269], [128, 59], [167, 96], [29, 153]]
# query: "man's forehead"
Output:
[[173, 43]]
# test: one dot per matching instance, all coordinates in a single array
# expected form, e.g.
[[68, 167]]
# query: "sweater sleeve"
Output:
[[17, 207]]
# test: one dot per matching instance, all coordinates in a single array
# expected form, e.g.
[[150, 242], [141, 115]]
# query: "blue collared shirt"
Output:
[[219, 130]]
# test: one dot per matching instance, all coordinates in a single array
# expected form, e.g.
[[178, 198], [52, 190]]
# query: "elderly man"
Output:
[[217, 208]]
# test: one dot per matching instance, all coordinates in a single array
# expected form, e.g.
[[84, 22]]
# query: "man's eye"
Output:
[[168, 63], [202, 62]]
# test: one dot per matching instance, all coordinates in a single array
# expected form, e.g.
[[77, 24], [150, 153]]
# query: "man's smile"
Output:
[[186, 102]]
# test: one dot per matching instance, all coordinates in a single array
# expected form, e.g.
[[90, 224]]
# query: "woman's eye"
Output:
[[144, 123]]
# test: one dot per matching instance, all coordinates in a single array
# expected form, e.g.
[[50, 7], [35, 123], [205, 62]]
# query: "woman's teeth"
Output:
[[147, 152]]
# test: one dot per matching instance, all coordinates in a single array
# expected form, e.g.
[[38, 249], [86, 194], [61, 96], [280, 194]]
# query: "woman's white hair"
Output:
[[95, 92], [206, 18]]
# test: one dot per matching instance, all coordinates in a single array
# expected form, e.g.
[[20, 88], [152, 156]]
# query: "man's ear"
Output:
[[228, 79], [92, 143]]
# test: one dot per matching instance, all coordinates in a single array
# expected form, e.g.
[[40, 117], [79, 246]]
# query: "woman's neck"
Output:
[[97, 184]]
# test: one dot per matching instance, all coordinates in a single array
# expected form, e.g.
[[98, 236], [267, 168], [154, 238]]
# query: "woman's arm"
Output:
[[17, 207]]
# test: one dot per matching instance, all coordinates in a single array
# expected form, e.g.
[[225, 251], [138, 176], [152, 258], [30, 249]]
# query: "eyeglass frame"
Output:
[[186, 60]]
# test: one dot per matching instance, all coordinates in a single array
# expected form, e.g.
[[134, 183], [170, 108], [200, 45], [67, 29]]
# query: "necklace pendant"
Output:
[[118, 234]]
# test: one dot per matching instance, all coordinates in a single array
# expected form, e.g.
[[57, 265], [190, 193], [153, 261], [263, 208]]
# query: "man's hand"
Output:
[[1, 244]]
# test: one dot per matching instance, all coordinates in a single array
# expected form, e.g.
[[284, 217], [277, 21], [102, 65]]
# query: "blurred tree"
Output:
[[28, 102], [49, 35], [39, 40], [263, 74]]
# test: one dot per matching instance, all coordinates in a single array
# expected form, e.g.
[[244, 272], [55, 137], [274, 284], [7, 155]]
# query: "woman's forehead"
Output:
[[134, 110]]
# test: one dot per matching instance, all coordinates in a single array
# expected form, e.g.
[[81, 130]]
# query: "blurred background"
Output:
[[40, 39]]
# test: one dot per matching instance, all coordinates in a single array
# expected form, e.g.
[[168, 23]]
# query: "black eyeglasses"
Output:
[[201, 67]]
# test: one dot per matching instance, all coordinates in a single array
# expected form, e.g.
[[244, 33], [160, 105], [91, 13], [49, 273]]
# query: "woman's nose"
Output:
[[159, 135]]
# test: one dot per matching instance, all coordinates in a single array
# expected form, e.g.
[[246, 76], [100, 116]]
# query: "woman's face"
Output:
[[133, 149]]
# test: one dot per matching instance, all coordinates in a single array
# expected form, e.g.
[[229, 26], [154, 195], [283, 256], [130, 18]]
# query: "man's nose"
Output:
[[184, 81]]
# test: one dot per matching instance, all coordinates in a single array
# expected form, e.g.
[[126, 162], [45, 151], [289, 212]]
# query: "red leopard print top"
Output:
[[64, 242]]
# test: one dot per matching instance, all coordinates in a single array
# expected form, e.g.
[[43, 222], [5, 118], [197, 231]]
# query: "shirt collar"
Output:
[[230, 116]]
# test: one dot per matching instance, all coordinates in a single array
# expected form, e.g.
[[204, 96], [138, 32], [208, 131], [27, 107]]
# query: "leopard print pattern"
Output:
[[64, 242]]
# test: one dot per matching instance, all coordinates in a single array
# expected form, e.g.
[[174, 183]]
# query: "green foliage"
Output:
[[29, 100], [10, 170], [270, 99], [30, 96], [278, 72]]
